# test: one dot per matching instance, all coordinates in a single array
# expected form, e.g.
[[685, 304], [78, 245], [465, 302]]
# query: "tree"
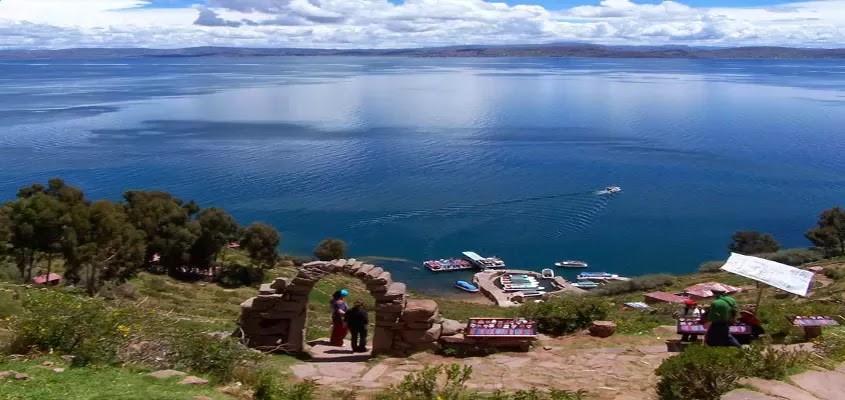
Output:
[[829, 235], [35, 227], [260, 242], [330, 249], [217, 229], [753, 242], [114, 249], [169, 230]]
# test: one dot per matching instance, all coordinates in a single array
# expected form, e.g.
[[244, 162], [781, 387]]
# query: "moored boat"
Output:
[[571, 264], [466, 286], [585, 285], [600, 276], [450, 264], [547, 273]]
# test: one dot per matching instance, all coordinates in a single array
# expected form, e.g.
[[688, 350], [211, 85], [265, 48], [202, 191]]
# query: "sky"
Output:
[[49, 24]]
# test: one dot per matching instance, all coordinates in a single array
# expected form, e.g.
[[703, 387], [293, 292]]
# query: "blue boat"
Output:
[[466, 286]]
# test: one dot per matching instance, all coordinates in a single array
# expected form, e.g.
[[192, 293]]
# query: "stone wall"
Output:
[[275, 320]]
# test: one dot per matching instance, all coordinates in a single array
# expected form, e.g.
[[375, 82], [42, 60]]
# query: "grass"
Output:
[[102, 383]]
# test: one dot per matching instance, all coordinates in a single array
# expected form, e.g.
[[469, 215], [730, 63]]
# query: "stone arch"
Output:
[[276, 319]]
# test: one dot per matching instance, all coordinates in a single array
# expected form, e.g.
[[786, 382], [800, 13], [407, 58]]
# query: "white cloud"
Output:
[[414, 23]]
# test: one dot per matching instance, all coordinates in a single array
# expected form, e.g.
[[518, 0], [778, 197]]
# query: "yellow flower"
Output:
[[124, 330]]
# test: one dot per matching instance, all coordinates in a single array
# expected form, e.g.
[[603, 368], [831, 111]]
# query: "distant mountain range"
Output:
[[568, 50]]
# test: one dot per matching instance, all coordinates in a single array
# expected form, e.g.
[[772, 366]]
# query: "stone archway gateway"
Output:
[[275, 320]]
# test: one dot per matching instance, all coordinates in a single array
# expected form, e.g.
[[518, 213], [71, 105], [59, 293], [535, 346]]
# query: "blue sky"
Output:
[[548, 4], [418, 23]]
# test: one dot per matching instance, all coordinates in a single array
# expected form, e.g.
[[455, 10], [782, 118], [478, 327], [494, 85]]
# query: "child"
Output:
[[357, 321]]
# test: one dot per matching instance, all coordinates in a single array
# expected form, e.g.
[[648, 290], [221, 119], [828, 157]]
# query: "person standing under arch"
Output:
[[339, 307]]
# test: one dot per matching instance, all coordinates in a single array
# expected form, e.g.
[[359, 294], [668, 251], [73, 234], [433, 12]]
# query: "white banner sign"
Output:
[[781, 276]]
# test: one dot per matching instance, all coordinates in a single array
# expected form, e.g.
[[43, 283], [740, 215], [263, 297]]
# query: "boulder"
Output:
[[417, 336], [166, 373], [48, 364], [419, 310], [58, 370], [424, 325], [21, 377], [247, 304], [193, 380], [6, 374], [451, 327], [603, 329], [67, 357]]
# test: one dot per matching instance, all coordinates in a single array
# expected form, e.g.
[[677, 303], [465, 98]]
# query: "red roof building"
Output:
[[662, 297], [704, 290], [52, 279]]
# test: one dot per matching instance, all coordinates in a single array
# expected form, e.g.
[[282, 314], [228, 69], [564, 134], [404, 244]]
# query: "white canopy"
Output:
[[781, 276]]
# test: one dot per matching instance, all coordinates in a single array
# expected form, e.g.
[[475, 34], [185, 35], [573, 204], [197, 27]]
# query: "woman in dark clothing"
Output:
[[339, 307], [357, 321]]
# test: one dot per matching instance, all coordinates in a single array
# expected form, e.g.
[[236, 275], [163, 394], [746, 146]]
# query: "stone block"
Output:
[[395, 291], [382, 339], [389, 308], [419, 310], [415, 336], [602, 329], [372, 274], [280, 284], [451, 327], [376, 288], [265, 302], [289, 305], [264, 341], [364, 270], [247, 304], [338, 265], [384, 279], [265, 289], [418, 325], [352, 268]]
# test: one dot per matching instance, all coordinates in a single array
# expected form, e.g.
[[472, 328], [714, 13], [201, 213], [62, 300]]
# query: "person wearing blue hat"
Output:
[[339, 328]]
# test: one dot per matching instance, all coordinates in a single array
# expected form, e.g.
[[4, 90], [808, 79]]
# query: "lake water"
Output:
[[425, 158]]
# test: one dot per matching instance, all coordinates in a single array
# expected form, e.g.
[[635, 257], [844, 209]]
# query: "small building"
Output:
[[50, 280], [704, 290], [662, 297]]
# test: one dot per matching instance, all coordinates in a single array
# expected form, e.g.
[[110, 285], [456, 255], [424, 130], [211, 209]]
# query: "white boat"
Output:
[[600, 276], [571, 264], [585, 285], [547, 273], [610, 190]]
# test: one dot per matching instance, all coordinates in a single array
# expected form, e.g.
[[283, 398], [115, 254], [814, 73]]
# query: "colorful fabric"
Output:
[[723, 309], [339, 332]]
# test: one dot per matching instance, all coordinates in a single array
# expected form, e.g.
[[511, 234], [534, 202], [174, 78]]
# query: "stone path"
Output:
[[618, 372], [810, 385]]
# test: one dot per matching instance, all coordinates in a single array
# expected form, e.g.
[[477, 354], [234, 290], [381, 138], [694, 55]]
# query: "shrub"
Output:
[[753, 242], [836, 274], [566, 314], [330, 249], [794, 257], [711, 266], [238, 273], [535, 394], [705, 373], [424, 385], [638, 284], [199, 352], [269, 387], [832, 346]]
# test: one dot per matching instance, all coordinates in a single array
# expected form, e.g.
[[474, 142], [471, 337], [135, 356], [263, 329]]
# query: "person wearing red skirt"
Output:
[[339, 328]]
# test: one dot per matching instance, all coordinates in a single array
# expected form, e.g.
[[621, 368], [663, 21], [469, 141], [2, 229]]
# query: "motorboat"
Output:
[[613, 189], [571, 264], [600, 276], [585, 285], [547, 273], [466, 286], [450, 264]]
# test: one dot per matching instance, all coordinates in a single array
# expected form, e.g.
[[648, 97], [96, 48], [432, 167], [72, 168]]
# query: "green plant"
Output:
[[794, 257], [269, 387], [81, 326], [832, 346], [638, 284], [565, 314], [705, 373], [199, 352], [711, 266], [837, 274], [536, 394], [423, 385]]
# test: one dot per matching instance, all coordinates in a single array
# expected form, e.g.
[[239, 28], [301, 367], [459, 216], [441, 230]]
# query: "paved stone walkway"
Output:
[[618, 372], [810, 385]]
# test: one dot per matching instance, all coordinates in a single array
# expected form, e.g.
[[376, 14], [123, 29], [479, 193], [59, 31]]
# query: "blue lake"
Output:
[[425, 158]]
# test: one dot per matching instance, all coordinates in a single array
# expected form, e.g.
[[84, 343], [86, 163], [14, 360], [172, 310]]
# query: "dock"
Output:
[[483, 263]]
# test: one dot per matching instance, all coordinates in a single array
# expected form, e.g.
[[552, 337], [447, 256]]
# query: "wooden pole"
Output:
[[759, 297]]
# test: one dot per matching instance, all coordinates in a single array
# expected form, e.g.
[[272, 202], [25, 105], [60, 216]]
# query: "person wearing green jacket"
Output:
[[723, 312]]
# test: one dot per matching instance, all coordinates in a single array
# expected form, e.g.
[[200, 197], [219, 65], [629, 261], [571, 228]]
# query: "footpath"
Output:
[[810, 385]]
